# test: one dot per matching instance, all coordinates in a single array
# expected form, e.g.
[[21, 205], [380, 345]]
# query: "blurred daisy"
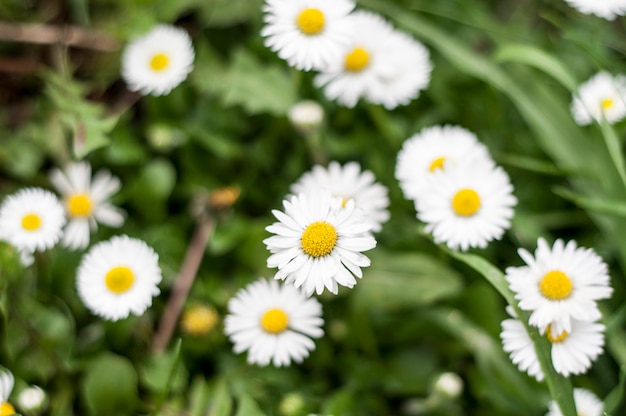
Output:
[[468, 204], [348, 182], [607, 9], [306, 116], [431, 149], [199, 320], [31, 400], [308, 34], [158, 61], [318, 242], [602, 96], [118, 277], [31, 219], [587, 404], [560, 283], [274, 323], [6, 387], [86, 201]]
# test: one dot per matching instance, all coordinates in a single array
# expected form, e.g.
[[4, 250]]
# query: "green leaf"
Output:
[[248, 407], [616, 396], [155, 373], [110, 386], [221, 401], [602, 206], [614, 147]]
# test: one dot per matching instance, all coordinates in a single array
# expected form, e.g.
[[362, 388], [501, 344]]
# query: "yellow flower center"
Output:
[[466, 202], [159, 62], [6, 409], [119, 279], [31, 222], [274, 321], [318, 239], [437, 164], [311, 21], [79, 205], [357, 59], [607, 103], [199, 320], [555, 285], [558, 338]]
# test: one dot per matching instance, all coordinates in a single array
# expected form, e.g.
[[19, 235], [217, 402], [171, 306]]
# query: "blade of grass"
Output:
[[613, 146]]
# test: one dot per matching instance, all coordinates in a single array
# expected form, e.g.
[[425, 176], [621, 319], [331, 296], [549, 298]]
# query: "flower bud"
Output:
[[449, 385], [31, 400], [306, 116]]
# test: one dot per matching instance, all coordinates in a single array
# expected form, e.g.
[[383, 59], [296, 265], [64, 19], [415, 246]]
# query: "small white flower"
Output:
[[318, 243], [468, 204], [86, 201], [308, 34], [118, 277], [449, 385], [6, 387], [560, 283], [31, 219], [607, 9], [602, 96], [273, 322], [158, 61], [587, 404], [349, 182], [31, 399], [432, 149], [307, 116]]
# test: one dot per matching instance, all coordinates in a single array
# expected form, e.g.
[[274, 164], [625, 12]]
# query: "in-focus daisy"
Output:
[[308, 34], [468, 204], [380, 65], [602, 96], [86, 201], [587, 404], [31, 219], [273, 322], [158, 61], [607, 9], [318, 242], [560, 283], [432, 149], [118, 277], [6, 387], [349, 182]]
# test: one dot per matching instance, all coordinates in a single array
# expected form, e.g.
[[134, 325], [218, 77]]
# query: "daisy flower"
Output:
[[306, 116], [587, 404], [431, 149], [6, 387], [467, 205], [308, 34], [274, 323], [379, 65], [118, 277], [318, 243], [607, 9], [349, 182], [31, 219], [86, 201], [158, 61], [560, 283], [602, 96]]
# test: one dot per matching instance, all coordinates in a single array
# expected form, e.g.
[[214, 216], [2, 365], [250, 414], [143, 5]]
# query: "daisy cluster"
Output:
[[357, 54], [464, 199], [317, 245], [607, 9], [603, 96]]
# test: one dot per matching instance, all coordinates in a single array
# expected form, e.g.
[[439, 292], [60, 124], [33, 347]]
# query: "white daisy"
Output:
[[379, 65], [158, 61], [6, 387], [587, 404], [307, 116], [560, 283], [273, 322], [607, 9], [318, 243], [308, 34], [31, 219], [602, 96], [118, 277], [431, 149], [86, 201], [348, 182], [468, 204]]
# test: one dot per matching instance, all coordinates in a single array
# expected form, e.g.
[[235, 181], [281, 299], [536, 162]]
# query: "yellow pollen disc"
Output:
[[466, 202], [31, 222], [555, 285], [437, 164], [199, 320], [311, 21], [159, 62], [558, 338], [79, 205], [119, 279], [274, 321], [357, 59], [6, 409], [318, 239], [607, 103]]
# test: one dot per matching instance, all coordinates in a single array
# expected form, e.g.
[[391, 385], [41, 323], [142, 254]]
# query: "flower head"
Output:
[[306, 116], [118, 277], [6, 387], [158, 61], [587, 404], [199, 320], [607, 9], [602, 96], [273, 322], [32, 399]]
